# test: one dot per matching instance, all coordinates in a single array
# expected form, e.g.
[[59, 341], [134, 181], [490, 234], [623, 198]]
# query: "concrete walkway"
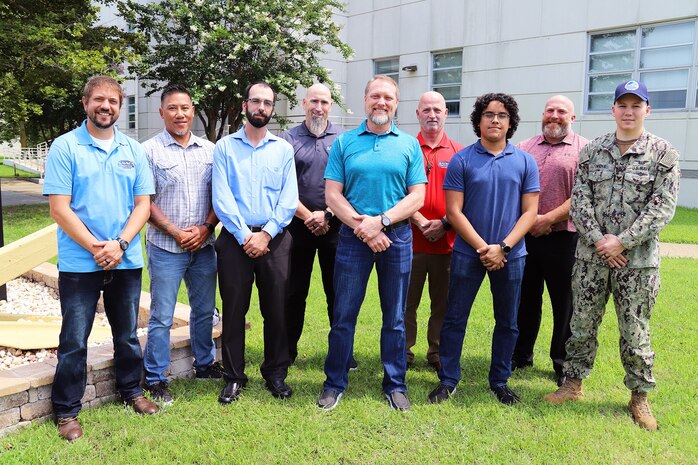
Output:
[[21, 192], [24, 192]]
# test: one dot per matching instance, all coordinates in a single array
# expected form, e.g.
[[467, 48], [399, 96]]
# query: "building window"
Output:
[[132, 112], [662, 56], [389, 67], [447, 72]]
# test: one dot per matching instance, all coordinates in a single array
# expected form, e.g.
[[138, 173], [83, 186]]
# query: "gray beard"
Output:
[[380, 120], [317, 125], [559, 133]]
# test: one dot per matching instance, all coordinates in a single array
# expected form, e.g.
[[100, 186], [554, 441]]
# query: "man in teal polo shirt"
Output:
[[99, 187], [374, 182]]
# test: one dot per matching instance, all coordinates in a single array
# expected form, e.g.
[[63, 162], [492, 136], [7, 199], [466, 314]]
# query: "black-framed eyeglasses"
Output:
[[490, 115], [257, 102]]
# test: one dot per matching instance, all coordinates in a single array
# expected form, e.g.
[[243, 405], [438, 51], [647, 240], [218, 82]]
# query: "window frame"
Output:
[[434, 87], [691, 101], [133, 113]]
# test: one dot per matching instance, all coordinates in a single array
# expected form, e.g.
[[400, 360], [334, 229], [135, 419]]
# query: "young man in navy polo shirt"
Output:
[[491, 201]]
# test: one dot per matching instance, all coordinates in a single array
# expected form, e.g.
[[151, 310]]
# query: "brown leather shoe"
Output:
[[69, 428], [143, 406]]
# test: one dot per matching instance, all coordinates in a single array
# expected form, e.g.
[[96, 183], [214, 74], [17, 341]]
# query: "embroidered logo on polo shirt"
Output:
[[128, 164], [443, 164]]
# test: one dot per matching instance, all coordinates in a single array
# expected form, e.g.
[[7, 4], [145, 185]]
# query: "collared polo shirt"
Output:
[[492, 187], [311, 154], [102, 188], [436, 162], [254, 185], [557, 164], [182, 177], [375, 169]]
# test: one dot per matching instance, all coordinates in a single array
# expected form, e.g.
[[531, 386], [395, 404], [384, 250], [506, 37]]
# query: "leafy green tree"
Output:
[[217, 47], [48, 49]]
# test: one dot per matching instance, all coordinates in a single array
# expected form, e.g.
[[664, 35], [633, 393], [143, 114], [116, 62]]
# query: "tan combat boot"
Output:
[[640, 409], [571, 389]]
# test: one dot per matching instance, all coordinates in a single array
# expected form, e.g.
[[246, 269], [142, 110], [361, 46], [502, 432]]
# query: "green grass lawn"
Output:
[[471, 428], [10, 172], [683, 228]]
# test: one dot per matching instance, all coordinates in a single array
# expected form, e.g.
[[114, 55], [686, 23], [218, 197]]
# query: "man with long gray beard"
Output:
[[314, 227], [553, 238], [255, 196]]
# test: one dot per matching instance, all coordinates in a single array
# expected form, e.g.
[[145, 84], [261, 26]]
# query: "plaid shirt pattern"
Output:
[[182, 178]]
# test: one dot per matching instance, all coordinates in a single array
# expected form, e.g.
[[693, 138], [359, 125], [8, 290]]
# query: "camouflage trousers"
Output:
[[634, 294]]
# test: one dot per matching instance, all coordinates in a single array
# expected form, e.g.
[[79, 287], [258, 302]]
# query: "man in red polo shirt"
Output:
[[432, 234]]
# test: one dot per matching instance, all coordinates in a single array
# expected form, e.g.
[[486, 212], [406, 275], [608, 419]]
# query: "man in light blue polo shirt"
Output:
[[99, 187], [374, 182], [255, 195], [491, 201]]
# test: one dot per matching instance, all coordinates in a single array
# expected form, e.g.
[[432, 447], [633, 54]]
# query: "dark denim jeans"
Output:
[[353, 265], [79, 293], [467, 274]]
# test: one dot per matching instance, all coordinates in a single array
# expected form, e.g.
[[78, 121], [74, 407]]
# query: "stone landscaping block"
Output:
[[180, 367], [10, 384], [13, 428], [103, 400], [38, 374], [105, 388], [9, 417], [40, 408], [13, 400], [97, 376], [182, 352], [90, 394]]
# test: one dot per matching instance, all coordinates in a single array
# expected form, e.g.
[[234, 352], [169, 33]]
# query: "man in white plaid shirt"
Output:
[[180, 241]]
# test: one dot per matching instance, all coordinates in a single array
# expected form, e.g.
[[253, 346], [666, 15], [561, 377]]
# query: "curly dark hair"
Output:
[[506, 100]]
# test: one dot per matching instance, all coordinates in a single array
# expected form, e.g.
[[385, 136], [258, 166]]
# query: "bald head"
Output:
[[558, 116], [431, 113], [317, 105]]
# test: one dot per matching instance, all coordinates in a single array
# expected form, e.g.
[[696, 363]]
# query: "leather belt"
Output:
[[394, 226]]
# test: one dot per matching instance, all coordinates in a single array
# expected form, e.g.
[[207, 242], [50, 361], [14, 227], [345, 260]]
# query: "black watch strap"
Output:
[[123, 243], [328, 214], [211, 228], [446, 224]]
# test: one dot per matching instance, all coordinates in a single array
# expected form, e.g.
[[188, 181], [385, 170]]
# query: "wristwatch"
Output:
[[328, 215], [505, 248], [122, 243], [210, 228], [385, 221], [446, 224]]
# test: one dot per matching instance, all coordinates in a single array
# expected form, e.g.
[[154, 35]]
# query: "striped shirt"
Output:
[[182, 178]]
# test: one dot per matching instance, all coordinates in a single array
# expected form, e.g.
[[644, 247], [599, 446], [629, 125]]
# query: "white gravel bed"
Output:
[[25, 297]]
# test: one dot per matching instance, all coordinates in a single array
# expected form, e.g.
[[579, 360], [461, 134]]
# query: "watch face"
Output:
[[385, 220]]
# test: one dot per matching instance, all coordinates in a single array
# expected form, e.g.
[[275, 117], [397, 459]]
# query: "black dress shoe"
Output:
[[506, 395], [518, 364], [230, 392], [279, 388]]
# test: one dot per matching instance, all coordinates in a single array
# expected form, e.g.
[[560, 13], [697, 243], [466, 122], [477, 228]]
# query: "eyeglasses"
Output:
[[257, 102], [500, 116]]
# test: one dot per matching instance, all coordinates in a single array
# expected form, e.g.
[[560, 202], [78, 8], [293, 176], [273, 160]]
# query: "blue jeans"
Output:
[[353, 265], [467, 274], [166, 271], [79, 293]]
